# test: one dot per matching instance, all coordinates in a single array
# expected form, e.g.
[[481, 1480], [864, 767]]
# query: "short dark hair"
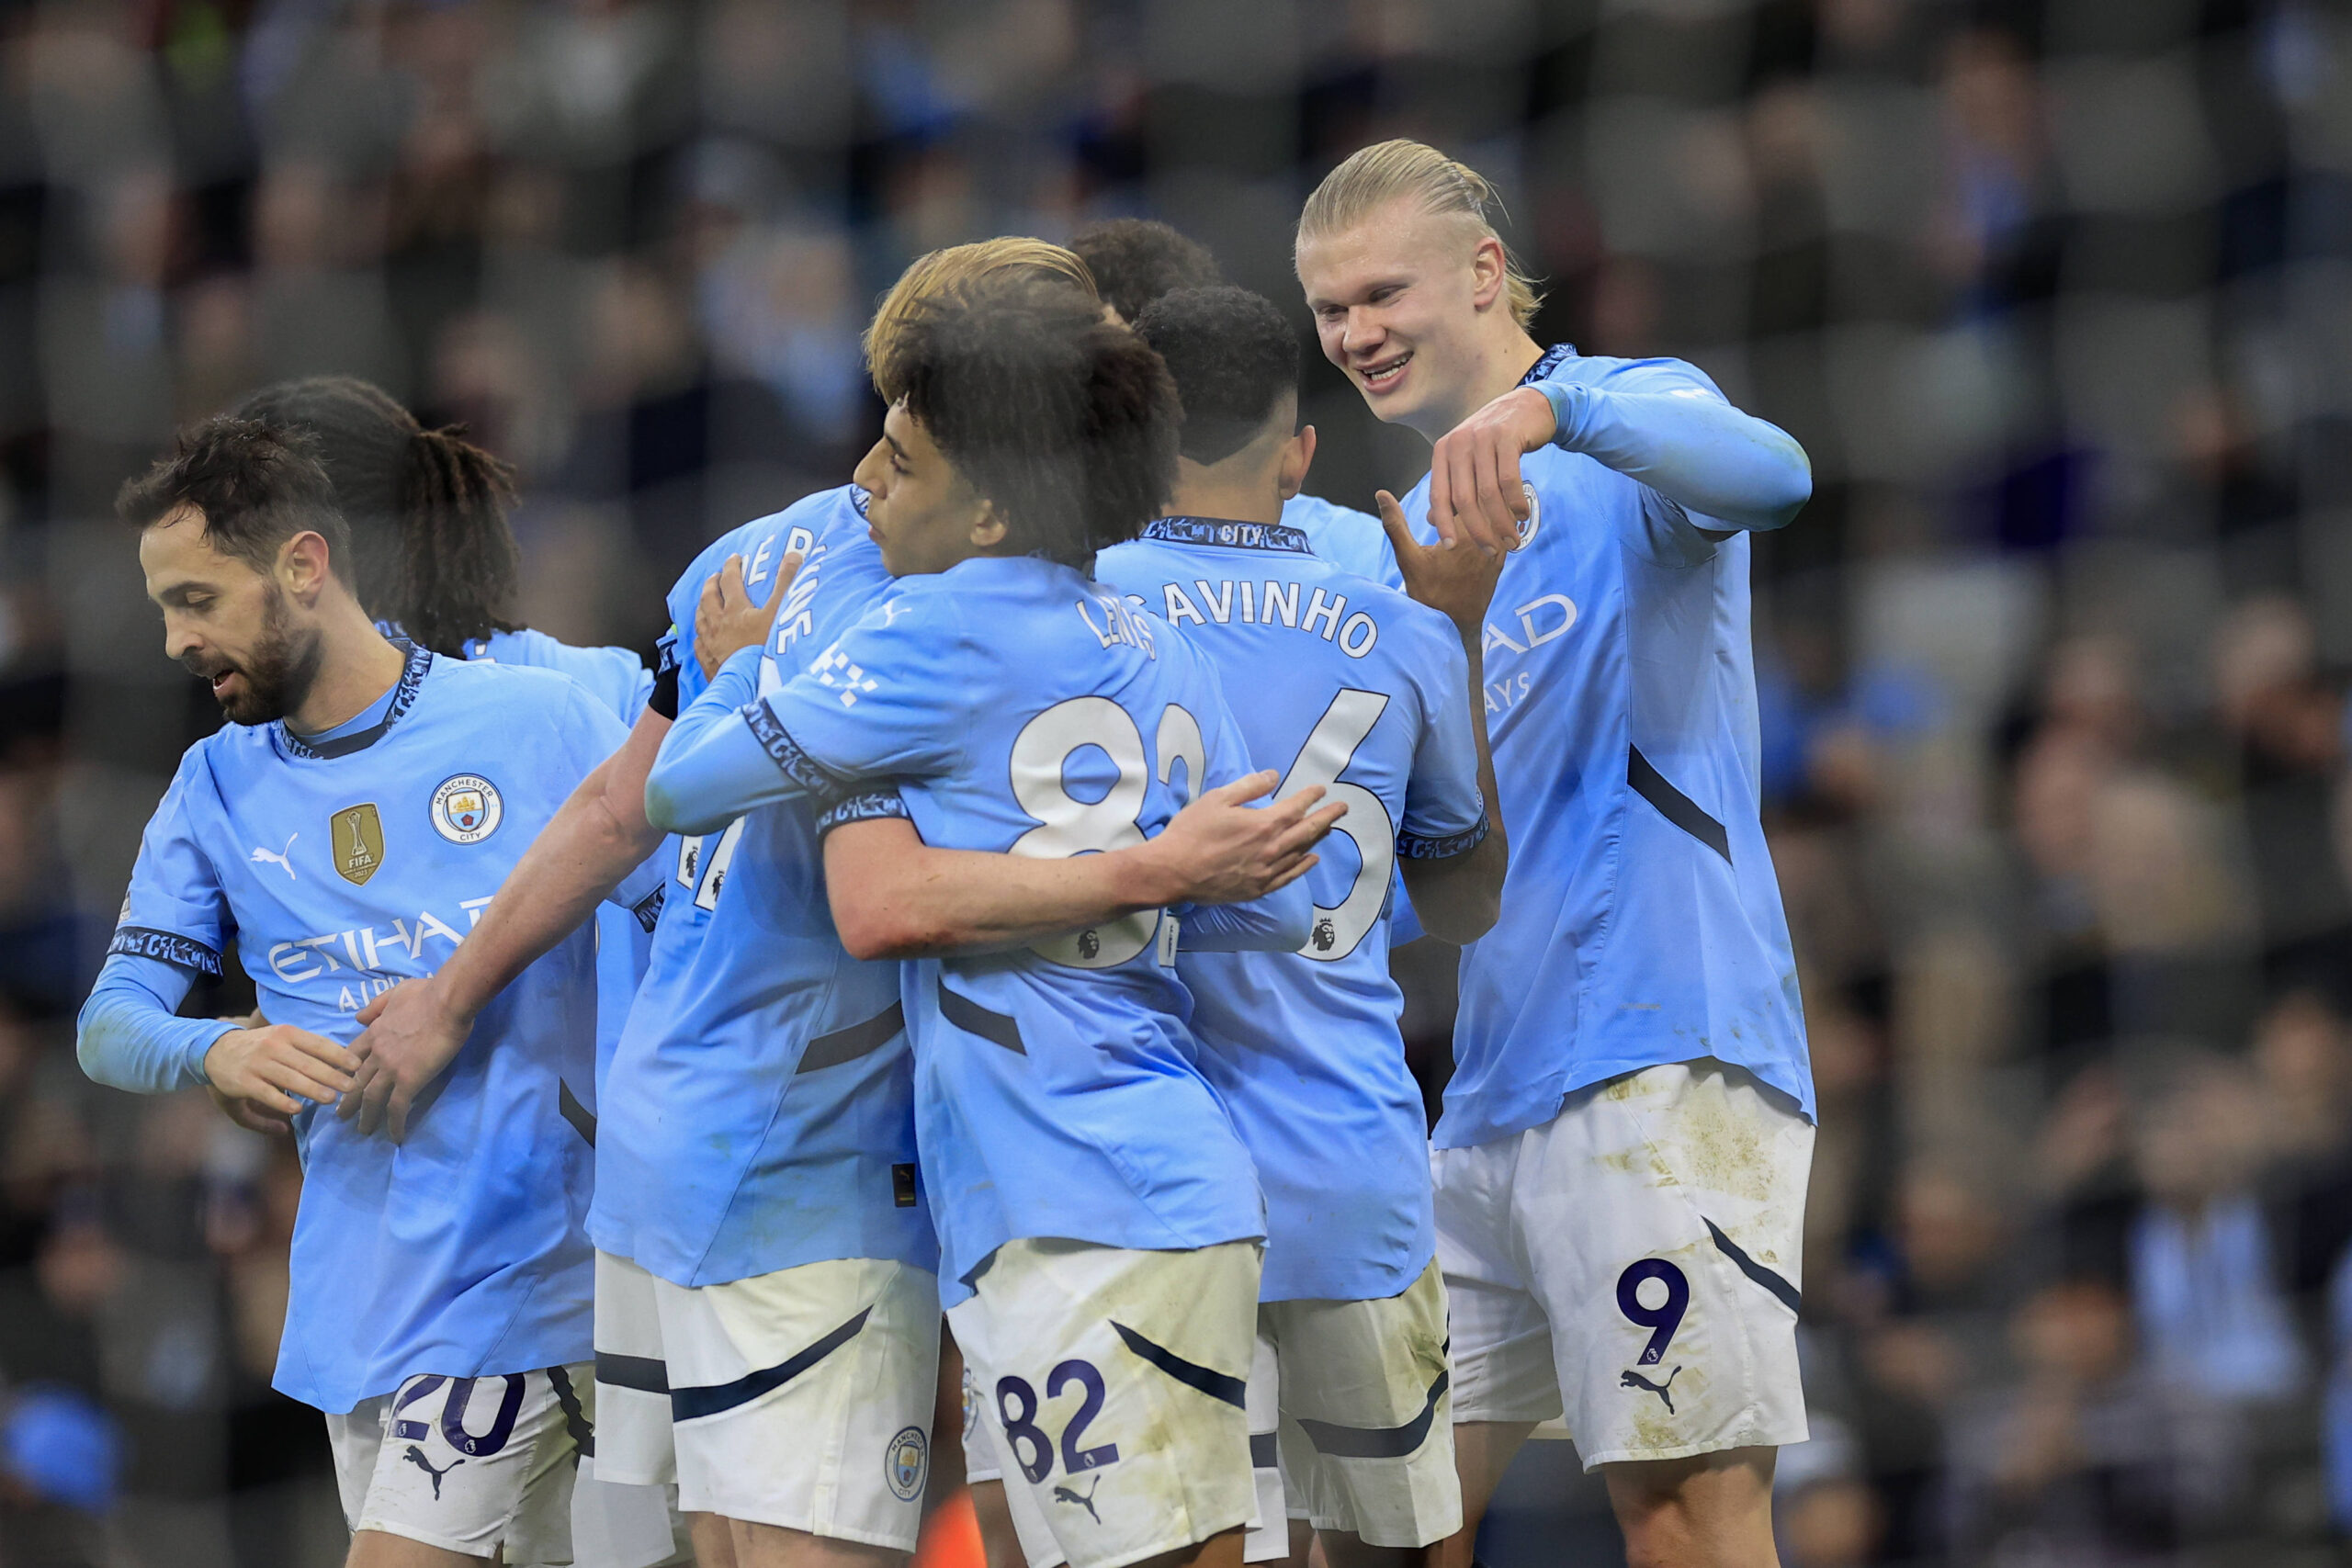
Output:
[[1136, 260], [1233, 358], [257, 486], [1067, 423], [432, 550]]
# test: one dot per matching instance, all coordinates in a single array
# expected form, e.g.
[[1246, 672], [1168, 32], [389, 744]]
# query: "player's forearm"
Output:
[[1457, 898], [913, 901], [1726, 466], [586, 851], [130, 1036], [712, 767]]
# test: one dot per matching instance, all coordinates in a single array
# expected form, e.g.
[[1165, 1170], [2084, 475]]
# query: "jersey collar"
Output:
[[1552, 359], [1224, 531], [403, 693]]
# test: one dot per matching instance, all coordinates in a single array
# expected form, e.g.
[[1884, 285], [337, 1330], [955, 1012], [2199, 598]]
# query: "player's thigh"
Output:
[[469, 1466], [633, 1438], [802, 1399], [1013, 1534], [1502, 1368], [1663, 1213], [1114, 1381], [1367, 1427]]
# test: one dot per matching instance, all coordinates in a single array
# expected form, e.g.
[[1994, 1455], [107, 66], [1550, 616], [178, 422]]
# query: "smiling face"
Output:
[[925, 514], [232, 624], [1403, 300]]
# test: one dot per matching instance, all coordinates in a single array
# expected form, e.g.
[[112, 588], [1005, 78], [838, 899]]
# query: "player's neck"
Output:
[[1236, 497], [1505, 355], [357, 666]]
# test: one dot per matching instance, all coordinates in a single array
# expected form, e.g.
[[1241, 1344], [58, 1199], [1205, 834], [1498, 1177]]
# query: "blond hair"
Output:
[[942, 269], [1442, 186]]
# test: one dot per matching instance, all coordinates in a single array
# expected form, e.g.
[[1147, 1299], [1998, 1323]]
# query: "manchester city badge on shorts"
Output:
[[905, 1462], [466, 808]]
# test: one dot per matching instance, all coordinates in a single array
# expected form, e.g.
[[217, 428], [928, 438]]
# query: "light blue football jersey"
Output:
[[1351, 540], [1355, 687], [760, 1111], [1023, 708], [619, 680], [1640, 919], [339, 871]]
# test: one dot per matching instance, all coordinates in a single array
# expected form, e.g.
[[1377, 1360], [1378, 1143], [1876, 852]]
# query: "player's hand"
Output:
[[250, 1116], [411, 1035], [1476, 493], [727, 622], [269, 1067], [1456, 579], [1222, 849]]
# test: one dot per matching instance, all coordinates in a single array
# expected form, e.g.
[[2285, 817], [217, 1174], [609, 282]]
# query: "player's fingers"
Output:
[[1284, 878], [1242, 790], [354, 1098], [374, 1009], [730, 583], [1392, 524], [1285, 812], [275, 1099], [321, 1050], [1441, 486], [1468, 502], [787, 569], [402, 1101], [1495, 524], [371, 1101]]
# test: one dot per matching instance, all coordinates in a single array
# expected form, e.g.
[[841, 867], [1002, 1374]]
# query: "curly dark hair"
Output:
[[432, 550], [1136, 260], [1067, 423], [1232, 357], [257, 485]]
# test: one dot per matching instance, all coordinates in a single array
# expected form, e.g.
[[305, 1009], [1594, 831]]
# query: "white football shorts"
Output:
[[1112, 1383], [1366, 1434], [983, 1463], [482, 1466], [633, 1439], [803, 1398], [1631, 1266]]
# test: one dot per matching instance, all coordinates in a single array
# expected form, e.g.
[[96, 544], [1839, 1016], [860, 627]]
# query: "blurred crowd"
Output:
[[2058, 295]]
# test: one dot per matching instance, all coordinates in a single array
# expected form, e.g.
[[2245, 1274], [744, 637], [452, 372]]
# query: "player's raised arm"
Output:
[[1457, 895], [1664, 425]]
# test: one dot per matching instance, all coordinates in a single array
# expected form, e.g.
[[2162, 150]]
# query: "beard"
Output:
[[277, 674]]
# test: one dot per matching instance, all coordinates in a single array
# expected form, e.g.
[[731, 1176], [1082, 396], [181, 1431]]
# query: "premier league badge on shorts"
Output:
[[904, 1463], [466, 808]]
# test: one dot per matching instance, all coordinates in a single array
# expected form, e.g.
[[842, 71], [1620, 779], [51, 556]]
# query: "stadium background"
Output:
[[2058, 297]]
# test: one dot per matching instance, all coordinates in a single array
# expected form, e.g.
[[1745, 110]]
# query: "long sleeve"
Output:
[[1679, 436], [1281, 921], [130, 1035], [714, 765]]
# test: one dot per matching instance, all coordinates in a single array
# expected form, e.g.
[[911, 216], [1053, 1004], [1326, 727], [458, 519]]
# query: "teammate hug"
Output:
[[997, 877]]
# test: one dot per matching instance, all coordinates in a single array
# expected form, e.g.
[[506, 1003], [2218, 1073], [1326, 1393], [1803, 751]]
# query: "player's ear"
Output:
[[988, 526], [302, 565], [1299, 456], [1490, 271]]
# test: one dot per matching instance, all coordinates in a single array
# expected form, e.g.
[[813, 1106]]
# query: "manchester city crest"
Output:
[[905, 1462], [1534, 516], [466, 808]]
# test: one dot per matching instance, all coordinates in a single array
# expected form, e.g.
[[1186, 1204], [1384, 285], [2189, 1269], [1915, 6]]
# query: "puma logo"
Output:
[[415, 1456], [1635, 1380], [1064, 1494], [279, 857]]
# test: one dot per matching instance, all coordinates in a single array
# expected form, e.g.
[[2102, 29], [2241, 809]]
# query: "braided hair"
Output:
[[432, 550]]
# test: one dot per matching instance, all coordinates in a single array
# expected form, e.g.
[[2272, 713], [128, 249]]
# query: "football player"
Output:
[[1354, 686], [345, 829], [1621, 1167]]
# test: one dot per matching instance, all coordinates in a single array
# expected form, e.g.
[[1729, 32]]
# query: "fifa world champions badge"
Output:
[[466, 808]]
